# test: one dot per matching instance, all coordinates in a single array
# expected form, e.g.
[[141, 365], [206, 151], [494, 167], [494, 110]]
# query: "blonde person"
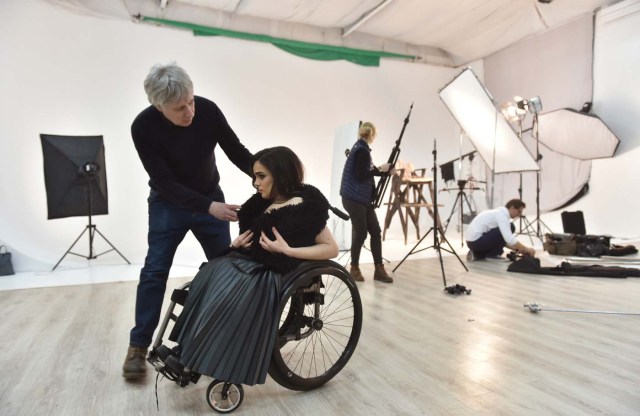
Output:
[[358, 192]]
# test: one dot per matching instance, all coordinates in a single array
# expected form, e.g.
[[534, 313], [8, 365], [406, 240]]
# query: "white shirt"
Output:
[[488, 220]]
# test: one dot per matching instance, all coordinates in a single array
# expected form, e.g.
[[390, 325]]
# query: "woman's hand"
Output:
[[386, 167], [243, 240], [279, 245]]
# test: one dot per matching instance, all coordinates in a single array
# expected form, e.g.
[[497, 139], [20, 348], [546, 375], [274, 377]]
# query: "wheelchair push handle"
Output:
[[339, 213]]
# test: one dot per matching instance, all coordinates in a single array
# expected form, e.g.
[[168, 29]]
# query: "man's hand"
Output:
[[224, 212], [243, 240]]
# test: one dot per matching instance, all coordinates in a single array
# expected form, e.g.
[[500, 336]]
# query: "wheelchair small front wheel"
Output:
[[224, 397]]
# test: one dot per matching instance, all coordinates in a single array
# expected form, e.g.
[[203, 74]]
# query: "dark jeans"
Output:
[[168, 225], [490, 244], [363, 220]]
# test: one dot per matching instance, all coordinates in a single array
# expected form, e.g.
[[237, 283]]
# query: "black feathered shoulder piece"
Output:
[[299, 224]]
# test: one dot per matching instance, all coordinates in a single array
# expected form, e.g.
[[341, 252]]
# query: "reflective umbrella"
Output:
[[576, 134]]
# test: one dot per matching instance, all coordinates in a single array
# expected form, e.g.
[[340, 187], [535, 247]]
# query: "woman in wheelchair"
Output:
[[229, 323]]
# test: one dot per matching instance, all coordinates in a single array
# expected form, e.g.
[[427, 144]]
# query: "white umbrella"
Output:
[[579, 135]]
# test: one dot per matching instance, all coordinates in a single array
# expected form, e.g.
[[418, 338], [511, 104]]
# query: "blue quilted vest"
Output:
[[350, 187]]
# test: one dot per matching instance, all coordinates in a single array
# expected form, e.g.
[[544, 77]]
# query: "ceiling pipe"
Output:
[[351, 28]]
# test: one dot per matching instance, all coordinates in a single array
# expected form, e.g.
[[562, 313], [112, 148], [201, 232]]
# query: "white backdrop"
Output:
[[79, 75], [554, 67], [612, 204], [346, 136]]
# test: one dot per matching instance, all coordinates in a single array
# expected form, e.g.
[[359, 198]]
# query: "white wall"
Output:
[[612, 205], [77, 75]]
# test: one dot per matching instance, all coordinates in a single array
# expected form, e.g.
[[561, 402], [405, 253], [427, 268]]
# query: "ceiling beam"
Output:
[[352, 27]]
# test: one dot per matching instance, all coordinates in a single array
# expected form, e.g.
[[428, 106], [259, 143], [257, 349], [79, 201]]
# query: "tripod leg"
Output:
[[112, 246], [528, 229], [345, 253], [452, 251], [453, 211], [74, 243], [412, 250]]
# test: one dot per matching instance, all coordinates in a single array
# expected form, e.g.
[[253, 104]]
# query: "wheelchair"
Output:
[[320, 320]]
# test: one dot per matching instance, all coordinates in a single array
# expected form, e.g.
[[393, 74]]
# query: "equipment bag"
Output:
[[593, 245], [6, 268], [560, 244]]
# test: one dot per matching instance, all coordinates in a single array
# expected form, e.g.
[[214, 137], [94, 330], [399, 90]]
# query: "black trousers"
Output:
[[363, 221], [490, 243]]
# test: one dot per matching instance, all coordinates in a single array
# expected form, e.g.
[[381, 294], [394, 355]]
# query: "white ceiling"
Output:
[[440, 32]]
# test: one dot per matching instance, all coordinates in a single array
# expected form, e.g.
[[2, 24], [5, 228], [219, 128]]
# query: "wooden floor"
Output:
[[421, 352]]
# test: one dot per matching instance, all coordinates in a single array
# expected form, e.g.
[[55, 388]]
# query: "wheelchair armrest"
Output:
[[309, 269]]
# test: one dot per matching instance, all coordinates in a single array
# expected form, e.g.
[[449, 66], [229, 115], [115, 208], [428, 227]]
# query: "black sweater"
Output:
[[180, 161], [298, 224]]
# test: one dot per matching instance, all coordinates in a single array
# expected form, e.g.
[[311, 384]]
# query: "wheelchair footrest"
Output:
[[166, 362]]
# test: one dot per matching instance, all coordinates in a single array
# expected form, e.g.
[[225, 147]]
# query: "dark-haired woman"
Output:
[[228, 325]]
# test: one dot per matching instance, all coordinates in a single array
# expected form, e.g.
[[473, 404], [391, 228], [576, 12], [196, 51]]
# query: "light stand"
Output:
[[540, 225], [533, 105], [88, 173], [438, 235], [461, 199], [526, 227]]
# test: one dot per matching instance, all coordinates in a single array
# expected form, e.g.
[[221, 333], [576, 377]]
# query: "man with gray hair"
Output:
[[175, 138]]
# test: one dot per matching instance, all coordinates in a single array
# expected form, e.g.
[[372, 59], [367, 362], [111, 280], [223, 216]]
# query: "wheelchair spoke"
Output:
[[322, 348], [319, 326]]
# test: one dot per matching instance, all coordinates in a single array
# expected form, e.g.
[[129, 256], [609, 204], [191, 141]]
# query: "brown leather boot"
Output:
[[135, 365], [356, 273], [381, 274]]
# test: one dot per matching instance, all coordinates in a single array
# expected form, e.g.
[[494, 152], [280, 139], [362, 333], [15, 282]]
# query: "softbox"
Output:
[[495, 140], [75, 176], [579, 135]]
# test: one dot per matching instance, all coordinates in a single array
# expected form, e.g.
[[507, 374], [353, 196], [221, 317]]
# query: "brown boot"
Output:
[[356, 273], [381, 274], [135, 365]]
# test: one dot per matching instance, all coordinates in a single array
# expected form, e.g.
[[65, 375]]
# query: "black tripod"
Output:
[[88, 170], [461, 199], [438, 234], [526, 228]]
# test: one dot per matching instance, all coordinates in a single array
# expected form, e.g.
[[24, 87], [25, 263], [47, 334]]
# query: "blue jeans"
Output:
[[168, 225], [490, 244]]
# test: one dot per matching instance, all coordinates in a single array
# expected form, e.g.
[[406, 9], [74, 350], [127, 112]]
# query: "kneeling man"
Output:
[[490, 231]]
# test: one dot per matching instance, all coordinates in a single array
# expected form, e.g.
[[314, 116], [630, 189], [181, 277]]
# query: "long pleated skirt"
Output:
[[228, 326]]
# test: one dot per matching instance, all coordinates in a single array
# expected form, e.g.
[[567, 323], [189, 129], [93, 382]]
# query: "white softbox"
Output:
[[475, 111], [579, 135]]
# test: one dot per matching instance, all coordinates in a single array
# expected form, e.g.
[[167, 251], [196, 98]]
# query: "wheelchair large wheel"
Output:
[[320, 323]]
